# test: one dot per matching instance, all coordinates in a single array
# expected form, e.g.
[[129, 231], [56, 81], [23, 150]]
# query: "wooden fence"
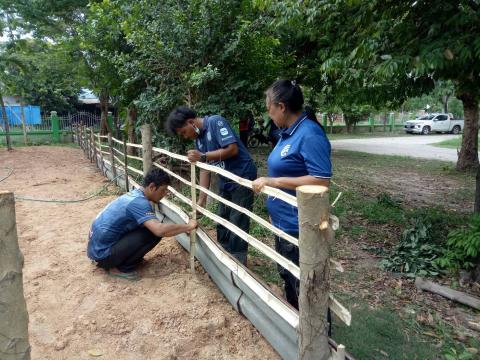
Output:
[[316, 230]]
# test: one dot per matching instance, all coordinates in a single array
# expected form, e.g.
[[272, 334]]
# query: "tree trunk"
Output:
[[444, 100], [131, 120], [5, 121], [104, 127], [24, 125], [468, 156], [14, 343]]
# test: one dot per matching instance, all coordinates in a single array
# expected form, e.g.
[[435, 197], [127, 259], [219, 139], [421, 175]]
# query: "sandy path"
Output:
[[76, 310]]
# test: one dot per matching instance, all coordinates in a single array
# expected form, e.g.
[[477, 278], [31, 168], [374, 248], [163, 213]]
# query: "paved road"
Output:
[[413, 146]]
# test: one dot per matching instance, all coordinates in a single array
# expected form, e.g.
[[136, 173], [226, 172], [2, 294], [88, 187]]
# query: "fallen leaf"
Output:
[[95, 353]]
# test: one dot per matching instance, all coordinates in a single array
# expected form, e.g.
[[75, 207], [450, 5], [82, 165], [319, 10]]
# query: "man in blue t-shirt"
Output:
[[127, 228], [217, 144]]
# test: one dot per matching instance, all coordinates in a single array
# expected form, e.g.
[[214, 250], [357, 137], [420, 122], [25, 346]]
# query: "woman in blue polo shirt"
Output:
[[301, 157]]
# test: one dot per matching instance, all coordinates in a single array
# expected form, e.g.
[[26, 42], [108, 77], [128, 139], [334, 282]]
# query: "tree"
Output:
[[390, 50]]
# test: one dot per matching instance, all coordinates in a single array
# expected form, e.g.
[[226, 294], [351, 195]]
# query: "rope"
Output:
[[25, 198], [9, 174]]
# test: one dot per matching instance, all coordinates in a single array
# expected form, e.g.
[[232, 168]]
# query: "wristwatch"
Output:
[[203, 157]]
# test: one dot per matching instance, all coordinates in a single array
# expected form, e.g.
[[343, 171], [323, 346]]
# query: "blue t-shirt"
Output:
[[217, 134], [122, 215], [303, 149]]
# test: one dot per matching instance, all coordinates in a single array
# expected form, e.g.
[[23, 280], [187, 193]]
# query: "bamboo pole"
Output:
[[14, 344], [125, 162], [112, 156], [313, 214], [146, 148], [193, 233]]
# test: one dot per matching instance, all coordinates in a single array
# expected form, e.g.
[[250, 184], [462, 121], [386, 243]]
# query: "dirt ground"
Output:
[[78, 312]]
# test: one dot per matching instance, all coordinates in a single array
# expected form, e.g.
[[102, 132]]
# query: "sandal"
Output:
[[132, 276]]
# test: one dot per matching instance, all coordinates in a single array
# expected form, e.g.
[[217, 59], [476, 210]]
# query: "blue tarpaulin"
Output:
[[32, 114]]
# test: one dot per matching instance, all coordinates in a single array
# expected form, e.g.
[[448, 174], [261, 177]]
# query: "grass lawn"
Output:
[[382, 196], [451, 144], [363, 135]]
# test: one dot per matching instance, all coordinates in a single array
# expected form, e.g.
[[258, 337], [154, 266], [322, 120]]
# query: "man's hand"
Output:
[[194, 155], [192, 224], [260, 183]]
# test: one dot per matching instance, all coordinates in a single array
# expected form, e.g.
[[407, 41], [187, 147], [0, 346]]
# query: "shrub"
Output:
[[463, 246]]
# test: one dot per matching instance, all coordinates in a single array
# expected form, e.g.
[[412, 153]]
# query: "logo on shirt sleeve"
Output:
[[220, 123], [285, 150], [224, 131]]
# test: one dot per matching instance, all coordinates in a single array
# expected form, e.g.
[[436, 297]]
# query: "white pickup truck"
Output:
[[429, 123]]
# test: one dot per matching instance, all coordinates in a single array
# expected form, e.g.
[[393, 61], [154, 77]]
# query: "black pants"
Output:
[[232, 243], [129, 251], [292, 284], [244, 137]]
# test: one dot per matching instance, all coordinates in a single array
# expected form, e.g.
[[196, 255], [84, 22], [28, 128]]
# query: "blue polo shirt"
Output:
[[119, 217], [217, 134], [303, 149]]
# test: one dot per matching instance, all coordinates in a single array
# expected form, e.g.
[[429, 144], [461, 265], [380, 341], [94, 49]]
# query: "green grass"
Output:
[[451, 143], [363, 135]]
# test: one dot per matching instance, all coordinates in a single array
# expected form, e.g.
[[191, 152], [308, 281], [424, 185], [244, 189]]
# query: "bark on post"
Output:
[[14, 344], [315, 234], [94, 148], [146, 148], [112, 158]]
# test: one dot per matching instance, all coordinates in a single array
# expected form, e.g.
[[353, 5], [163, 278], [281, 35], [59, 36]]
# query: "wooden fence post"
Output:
[[125, 161], [93, 147], [102, 164], [14, 344], [315, 234], [112, 158], [146, 148]]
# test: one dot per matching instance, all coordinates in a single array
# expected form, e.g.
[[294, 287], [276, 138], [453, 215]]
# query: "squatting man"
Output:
[[127, 228]]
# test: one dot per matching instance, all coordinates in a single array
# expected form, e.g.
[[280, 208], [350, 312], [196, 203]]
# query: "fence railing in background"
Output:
[[114, 153], [52, 128]]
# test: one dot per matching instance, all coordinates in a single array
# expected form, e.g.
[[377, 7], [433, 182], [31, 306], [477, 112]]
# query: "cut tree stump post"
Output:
[[112, 158], [146, 148], [14, 344], [314, 247]]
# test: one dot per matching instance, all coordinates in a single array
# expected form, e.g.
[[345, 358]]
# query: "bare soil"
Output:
[[77, 311]]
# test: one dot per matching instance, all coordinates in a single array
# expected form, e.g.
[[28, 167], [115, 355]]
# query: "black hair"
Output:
[[178, 118], [156, 176], [311, 114], [288, 93]]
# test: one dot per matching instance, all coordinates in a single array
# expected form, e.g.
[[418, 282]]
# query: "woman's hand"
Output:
[[260, 183]]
